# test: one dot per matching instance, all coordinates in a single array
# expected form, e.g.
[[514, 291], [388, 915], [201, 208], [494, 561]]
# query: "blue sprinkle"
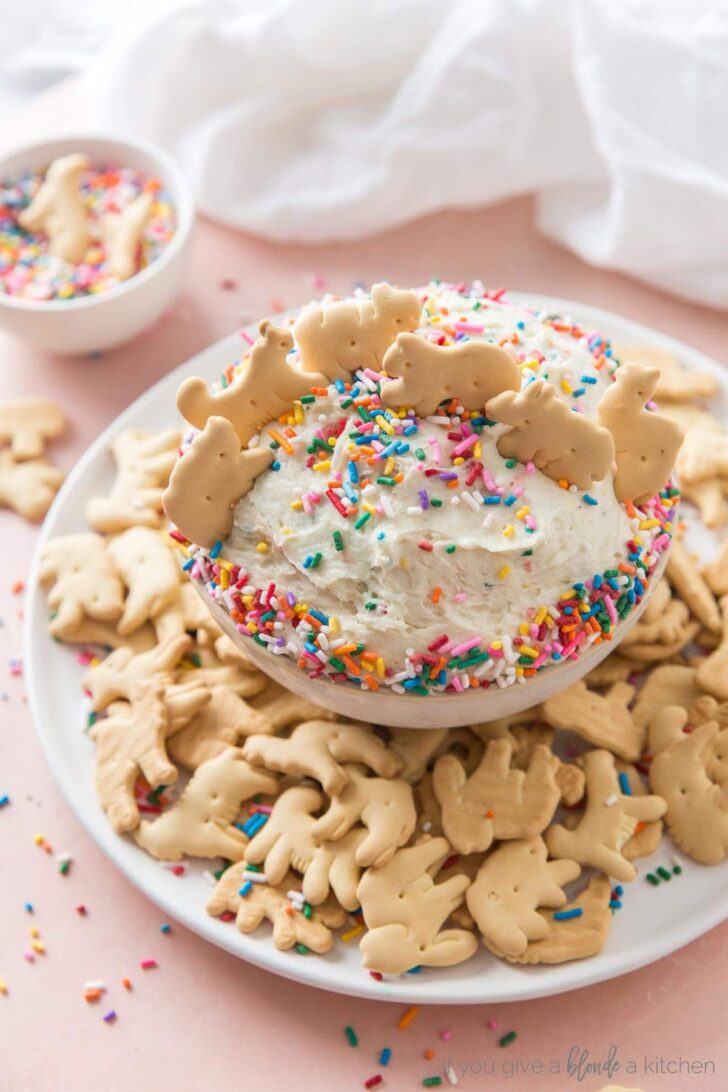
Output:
[[4, 800], [409, 683], [307, 562], [520, 326], [339, 384], [188, 565], [415, 970], [353, 473], [323, 619], [624, 784], [619, 890], [511, 500], [589, 499], [631, 597], [598, 581], [246, 888], [166, 928], [275, 465], [614, 584], [402, 447], [310, 647], [254, 823], [28, 906], [578, 392], [380, 536], [409, 430], [492, 500], [567, 915], [215, 551], [587, 379], [385, 1056], [615, 904]]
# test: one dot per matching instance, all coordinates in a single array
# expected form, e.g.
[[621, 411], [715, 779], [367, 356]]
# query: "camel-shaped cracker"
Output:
[[117, 675], [208, 481], [267, 386], [27, 425], [609, 820], [57, 210], [264, 903], [385, 807], [144, 461], [149, 572], [425, 374], [350, 334], [201, 822], [130, 742], [225, 721], [82, 579], [573, 937], [496, 801], [512, 883], [712, 674], [28, 488], [564, 445], [602, 719], [283, 708], [404, 910], [697, 803], [286, 840], [646, 444], [121, 233], [317, 748]]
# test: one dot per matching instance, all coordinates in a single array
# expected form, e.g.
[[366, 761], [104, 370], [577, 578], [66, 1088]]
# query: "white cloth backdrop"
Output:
[[318, 119]]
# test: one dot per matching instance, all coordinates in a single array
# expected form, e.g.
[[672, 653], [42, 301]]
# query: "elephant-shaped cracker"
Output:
[[209, 480], [425, 374], [497, 800], [349, 334], [201, 822], [404, 910], [608, 822], [646, 444], [385, 807], [265, 903], [512, 883], [562, 444], [317, 748]]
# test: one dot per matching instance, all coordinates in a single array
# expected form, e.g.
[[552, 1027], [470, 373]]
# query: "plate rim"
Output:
[[319, 972]]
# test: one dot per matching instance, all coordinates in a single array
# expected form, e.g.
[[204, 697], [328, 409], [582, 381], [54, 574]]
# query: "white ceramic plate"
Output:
[[653, 922]]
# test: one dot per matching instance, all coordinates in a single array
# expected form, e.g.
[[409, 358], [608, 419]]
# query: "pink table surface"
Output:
[[204, 1015]]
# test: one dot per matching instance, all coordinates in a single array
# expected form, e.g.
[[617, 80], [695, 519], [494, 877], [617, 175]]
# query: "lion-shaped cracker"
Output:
[[608, 822], [82, 579], [601, 719], [264, 903], [573, 937], [349, 334], [26, 425], [121, 233], [404, 910], [208, 481], [202, 822], [144, 461], [57, 210], [149, 572], [697, 803], [496, 801], [513, 882], [317, 748], [28, 488], [712, 674], [385, 807], [267, 386], [646, 443], [425, 374], [562, 444]]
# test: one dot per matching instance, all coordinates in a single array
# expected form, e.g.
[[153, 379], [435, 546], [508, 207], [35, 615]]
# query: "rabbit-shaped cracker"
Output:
[[83, 581], [350, 334], [265, 903], [201, 822], [267, 386], [26, 425], [513, 882], [121, 233], [144, 461], [563, 444], [317, 748], [208, 481], [609, 821], [404, 910], [646, 444], [697, 803], [425, 374], [286, 840], [496, 801], [385, 807], [57, 210]]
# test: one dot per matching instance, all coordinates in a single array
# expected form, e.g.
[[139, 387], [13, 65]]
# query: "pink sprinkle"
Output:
[[465, 646], [148, 964], [660, 542], [266, 809], [540, 659], [492, 1024], [610, 609], [460, 597], [446, 1036], [465, 445], [457, 685], [469, 327], [489, 483], [246, 337], [530, 467]]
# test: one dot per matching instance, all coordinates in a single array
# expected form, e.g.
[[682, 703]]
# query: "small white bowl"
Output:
[[88, 323]]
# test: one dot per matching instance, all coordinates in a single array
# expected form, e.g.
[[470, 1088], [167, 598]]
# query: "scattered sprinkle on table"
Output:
[[506, 1040], [385, 1056], [148, 964], [166, 928], [351, 1035], [408, 1017]]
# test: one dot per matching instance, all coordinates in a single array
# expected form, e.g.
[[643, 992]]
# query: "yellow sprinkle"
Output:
[[497, 645], [523, 628], [369, 508], [380, 667], [519, 671], [436, 319], [325, 464], [459, 461], [333, 626], [566, 387], [388, 466], [540, 615], [38, 946], [351, 933], [367, 666], [3, 986], [509, 531], [297, 506], [251, 627], [331, 441], [39, 839], [298, 413], [530, 364], [523, 512], [569, 594], [505, 571], [384, 424], [262, 547], [476, 451], [648, 524], [34, 932], [224, 579], [526, 650]]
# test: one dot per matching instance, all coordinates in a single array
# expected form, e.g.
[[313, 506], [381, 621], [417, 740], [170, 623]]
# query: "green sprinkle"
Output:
[[274, 445], [346, 403], [420, 454], [307, 399], [436, 503], [194, 657], [363, 413], [677, 870], [351, 1035], [338, 540], [431, 1082], [652, 879], [663, 873], [362, 520], [386, 481], [450, 549], [303, 950], [337, 664], [307, 910], [315, 563], [64, 867], [507, 1039], [510, 463], [370, 606]]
